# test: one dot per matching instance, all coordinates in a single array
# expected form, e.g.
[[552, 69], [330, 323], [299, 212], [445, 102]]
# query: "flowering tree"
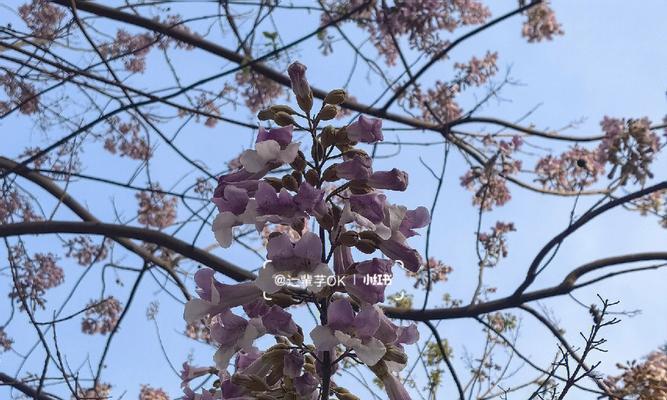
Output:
[[309, 209]]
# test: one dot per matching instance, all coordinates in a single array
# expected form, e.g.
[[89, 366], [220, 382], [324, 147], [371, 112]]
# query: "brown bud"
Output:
[[349, 238], [282, 108], [335, 97], [290, 183], [312, 177], [341, 138], [329, 174], [275, 182], [299, 162], [298, 176], [372, 236], [366, 246], [283, 119], [328, 136], [327, 112], [297, 338], [305, 103], [265, 115], [395, 354]]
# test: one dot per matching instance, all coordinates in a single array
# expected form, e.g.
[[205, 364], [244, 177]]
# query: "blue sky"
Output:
[[611, 61]]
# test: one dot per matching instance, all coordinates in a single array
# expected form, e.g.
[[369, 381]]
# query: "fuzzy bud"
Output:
[[265, 115], [317, 151], [300, 86], [312, 177], [276, 183], [282, 108], [328, 136], [395, 354], [349, 238], [298, 225], [329, 174], [372, 236], [366, 246], [299, 162], [298, 176], [327, 112], [283, 119], [290, 183], [335, 97]]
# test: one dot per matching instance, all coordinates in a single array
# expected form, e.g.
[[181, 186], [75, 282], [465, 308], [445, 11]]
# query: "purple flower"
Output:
[[246, 357], [357, 168], [342, 259], [367, 283], [293, 363], [389, 180], [396, 249], [216, 297], [234, 200], [303, 255], [340, 314], [232, 333], [309, 198], [256, 309], [241, 179], [271, 203], [306, 384], [279, 322], [281, 135], [366, 130], [394, 388], [417, 218], [370, 206]]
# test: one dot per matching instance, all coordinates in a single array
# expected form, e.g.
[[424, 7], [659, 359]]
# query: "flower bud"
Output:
[[329, 174], [328, 136], [300, 86], [312, 177], [326, 221], [372, 236], [366, 246], [395, 354], [283, 119], [290, 183], [282, 108], [297, 338], [299, 162], [265, 115], [275, 182], [335, 97], [327, 112], [349, 238], [298, 176]]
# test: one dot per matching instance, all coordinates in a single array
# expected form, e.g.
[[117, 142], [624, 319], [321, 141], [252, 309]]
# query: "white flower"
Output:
[[266, 152]]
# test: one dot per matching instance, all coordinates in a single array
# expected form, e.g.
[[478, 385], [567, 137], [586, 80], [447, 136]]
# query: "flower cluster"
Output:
[[630, 147], [420, 21], [5, 341], [642, 380], [573, 170], [15, 206], [489, 182], [125, 138], [34, 275], [336, 188], [156, 208], [101, 391], [85, 251], [439, 273], [42, 18], [149, 393], [495, 242], [21, 94], [133, 48], [101, 317], [541, 23]]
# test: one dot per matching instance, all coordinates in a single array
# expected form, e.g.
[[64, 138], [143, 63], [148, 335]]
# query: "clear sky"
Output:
[[611, 61]]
